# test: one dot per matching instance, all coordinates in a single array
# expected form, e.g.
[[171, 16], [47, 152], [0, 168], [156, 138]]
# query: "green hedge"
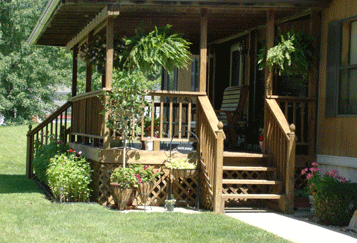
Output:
[[335, 202]]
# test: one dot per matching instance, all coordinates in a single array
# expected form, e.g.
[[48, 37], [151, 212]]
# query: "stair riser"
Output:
[[236, 161]]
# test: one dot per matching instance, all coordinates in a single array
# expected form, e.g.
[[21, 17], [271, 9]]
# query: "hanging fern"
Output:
[[291, 55], [159, 48]]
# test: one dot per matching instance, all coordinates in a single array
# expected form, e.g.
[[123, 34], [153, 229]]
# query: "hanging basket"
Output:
[[121, 196], [144, 190], [183, 173]]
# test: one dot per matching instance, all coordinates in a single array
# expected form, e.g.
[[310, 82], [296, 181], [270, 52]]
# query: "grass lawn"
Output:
[[26, 216]]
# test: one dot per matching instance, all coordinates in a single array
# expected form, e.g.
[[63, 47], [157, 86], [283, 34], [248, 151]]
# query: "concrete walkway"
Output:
[[290, 228]]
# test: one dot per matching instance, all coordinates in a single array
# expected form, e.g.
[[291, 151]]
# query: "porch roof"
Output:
[[62, 20]]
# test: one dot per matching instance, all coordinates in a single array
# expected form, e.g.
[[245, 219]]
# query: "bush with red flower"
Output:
[[314, 177]]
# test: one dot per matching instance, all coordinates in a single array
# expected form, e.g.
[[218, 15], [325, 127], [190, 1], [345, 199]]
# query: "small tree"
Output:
[[126, 107], [141, 56]]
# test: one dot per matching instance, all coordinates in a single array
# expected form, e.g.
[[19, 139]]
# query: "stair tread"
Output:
[[249, 168], [252, 196], [245, 155], [251, 181]]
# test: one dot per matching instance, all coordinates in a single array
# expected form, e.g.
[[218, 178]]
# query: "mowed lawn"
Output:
[[27, 216]]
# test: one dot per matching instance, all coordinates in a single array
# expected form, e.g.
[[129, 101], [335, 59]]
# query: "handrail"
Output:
[[45, 130], [209, 113], [211, 136], [280, 143], [279, 116], [49, 118]]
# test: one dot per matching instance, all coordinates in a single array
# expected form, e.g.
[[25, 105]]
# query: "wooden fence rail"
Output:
[[280, 143], [55, 126], [211, 137]]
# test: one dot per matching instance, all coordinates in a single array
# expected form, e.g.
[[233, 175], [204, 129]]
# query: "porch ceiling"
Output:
[[67, 19]]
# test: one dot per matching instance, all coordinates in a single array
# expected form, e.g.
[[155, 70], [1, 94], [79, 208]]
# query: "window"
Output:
[[195, 74], [169, 80], [341, 74]]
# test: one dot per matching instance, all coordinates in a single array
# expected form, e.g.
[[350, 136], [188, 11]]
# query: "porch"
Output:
[[226, 178]]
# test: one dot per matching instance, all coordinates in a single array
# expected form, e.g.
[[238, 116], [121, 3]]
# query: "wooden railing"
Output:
[[300, 111], [55, 126], [211, 137], [280, 143], [87, 120], [169, 112]]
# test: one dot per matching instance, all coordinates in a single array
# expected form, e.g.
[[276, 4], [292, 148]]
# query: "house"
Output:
[[226, 36]]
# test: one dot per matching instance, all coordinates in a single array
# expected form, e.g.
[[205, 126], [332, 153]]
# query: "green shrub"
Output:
[[70, 173], [335, 202], [43, 155], [180, 164]]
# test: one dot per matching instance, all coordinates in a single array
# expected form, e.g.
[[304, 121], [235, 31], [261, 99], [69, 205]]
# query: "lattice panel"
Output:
[[300, 180], [105, 197], [184, 185], [206, 191], [253, 175]]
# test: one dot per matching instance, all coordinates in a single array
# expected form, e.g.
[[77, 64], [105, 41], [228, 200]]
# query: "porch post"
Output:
[[203, 51], [270, 32], [89, 68], [74, 71], [108, 75], [314, 31]]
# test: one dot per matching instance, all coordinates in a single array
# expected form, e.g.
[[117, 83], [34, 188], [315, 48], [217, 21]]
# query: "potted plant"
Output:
[[301, 199], [147, 175], [181, 167], [123, 182], [170, 204]]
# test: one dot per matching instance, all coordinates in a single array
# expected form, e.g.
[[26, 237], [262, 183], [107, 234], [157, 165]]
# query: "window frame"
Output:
[[334, 65]]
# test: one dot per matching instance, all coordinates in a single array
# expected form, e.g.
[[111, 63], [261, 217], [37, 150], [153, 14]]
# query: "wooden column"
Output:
[[203, 51], [315, 24], [270, 33], [108, 75], [74, 71], [290, 171], [110, 53], [89, 68]]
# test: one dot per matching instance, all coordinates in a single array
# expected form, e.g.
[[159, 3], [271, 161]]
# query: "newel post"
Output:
[[29, 155], [218, 205], [290, 171]]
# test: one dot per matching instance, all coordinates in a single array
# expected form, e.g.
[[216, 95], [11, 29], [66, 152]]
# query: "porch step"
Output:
[[245, 159], [249, 168], [251, 196], [250, 182]]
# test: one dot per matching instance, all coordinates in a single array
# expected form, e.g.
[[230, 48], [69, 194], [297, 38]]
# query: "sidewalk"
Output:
[[290, 228]]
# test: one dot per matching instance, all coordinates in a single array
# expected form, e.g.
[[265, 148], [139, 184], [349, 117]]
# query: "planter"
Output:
[[170, 207], [121, 196], [302, 202], [144, 190]]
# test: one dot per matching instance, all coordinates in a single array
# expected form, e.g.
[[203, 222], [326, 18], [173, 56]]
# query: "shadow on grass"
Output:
[[17, 184]]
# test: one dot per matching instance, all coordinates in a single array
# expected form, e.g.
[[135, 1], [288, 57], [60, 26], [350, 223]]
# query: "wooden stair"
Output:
[[249, 176]]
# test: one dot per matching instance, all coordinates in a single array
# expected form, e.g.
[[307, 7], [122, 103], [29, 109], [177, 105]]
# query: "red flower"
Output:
[[138, 176], [140, 180], [145, 168], [70, 150], [261, 138]]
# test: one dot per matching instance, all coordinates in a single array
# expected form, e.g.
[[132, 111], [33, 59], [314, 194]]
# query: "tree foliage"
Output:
[[28, 74]]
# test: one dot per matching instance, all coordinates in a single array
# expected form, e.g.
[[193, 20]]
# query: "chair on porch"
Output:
[[234, 99]]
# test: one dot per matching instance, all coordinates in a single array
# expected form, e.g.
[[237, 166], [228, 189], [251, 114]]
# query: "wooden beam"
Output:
[[270, 33], [111, 10], [74, 71], [203, 51], [89, 68]]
